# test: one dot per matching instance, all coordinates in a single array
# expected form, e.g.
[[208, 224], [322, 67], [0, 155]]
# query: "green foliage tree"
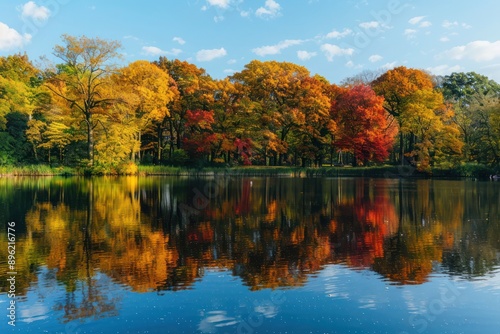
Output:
[[475, 100], [20, 96]]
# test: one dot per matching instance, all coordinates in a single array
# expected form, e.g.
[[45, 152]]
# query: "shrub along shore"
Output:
[[386, 171]]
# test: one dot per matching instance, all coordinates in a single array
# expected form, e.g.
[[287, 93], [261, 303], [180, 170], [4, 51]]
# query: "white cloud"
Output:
[[416, 20], [179, 40], [444, 39], [34, 313], [352, 65], [410, 33], [339, 34], [218, 18], [370, 25], [447, 24], [271, 9], [231, 61], [210, 54], [478, 51], [455, 24], [375, 58], [229, 71], [389, 66], [156, 51], [443, 69], [331, 51], [305, 55], [33, 11], [153, 51], [275, 49], [244, 13], [132, 37], [219, 3], [11, 39]]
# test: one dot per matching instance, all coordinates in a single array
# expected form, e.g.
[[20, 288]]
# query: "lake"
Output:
[[249, 255]]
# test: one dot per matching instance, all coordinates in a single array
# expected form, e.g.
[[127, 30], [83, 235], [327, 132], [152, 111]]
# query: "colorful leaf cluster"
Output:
[[87, 111]]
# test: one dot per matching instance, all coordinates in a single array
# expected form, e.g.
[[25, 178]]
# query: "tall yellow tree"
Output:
[[313, 138], [82, 81], [147, 91]]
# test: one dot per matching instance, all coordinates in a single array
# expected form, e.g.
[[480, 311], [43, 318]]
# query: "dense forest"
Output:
[[86, 111]]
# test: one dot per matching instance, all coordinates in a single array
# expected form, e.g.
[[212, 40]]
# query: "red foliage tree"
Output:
[[244, 148], [364, 127], [199, 135]]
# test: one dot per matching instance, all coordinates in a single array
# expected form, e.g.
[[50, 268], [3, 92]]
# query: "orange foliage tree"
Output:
[[423, 119]]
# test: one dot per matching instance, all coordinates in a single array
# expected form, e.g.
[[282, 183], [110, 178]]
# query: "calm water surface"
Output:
[[251, 255]]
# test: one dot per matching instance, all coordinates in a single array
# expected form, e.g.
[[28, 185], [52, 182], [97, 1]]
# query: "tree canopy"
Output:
[[88, 111]]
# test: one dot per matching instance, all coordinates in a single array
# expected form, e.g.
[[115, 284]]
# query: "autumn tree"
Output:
[[82, 81], [195, 92], [398, 87], [21, 94], [363, 125], [420, 112], [274, 92], [19, 81], [312, 140], [146, 89], [433, 137], [199, 135], [234, 124]]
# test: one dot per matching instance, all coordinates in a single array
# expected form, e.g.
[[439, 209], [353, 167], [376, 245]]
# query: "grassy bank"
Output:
[[36, 170], [376, 171], [462, 171], [465, 170]]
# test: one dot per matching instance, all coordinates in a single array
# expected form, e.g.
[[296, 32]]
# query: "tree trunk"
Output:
[[159, 133], [35, 152], [171, 139], [401, 149], [139, 157], [90, 139]]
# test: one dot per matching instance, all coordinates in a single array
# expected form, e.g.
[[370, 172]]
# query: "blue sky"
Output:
[[334, 38]]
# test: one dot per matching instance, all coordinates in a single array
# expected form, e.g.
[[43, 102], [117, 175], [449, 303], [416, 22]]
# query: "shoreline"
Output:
[[386, 171]]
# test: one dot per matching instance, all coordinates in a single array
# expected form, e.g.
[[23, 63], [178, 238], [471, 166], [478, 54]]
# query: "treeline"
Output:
[[85, 111]]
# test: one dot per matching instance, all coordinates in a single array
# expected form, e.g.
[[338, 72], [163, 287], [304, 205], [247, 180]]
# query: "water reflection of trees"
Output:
[[271, 232]]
